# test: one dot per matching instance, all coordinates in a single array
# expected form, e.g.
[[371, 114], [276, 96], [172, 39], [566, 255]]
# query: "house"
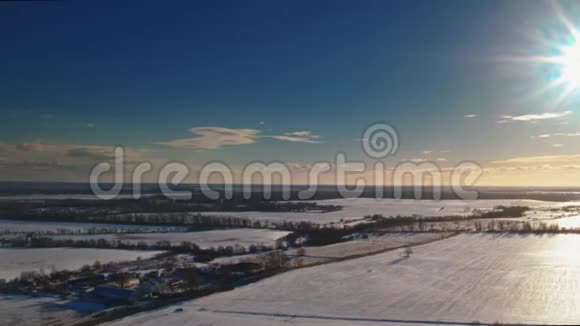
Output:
[[154, 287], [132, 281]]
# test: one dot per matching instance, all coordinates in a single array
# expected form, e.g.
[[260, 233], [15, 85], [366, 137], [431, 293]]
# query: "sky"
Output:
[[295, 82]]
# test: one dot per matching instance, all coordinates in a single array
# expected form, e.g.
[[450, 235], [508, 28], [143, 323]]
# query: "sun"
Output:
[[570, 61], [556, 55]]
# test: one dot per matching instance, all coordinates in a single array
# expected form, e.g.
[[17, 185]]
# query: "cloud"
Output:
[[557, 145], [471, 116], [305, 133], [296, 139], [7, 148], [214, 138], [91, 125], [510, 170], [77, 153], [558, 134], [218, 137], [424, 160], [305, 136], [97, 152], [417, 160], [541, 159], [535, 117]]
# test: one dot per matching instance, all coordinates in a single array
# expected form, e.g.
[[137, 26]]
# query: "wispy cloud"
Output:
[[64, 151], [416, 159], [46, 155], [471, 116], [518, 169], [423, 159], [305, 136], [541, 159], [535, 117], [558, 134], [218, 137], [214, 138], [304, 133]]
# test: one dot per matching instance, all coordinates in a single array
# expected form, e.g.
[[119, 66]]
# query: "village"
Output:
[[112, 288]]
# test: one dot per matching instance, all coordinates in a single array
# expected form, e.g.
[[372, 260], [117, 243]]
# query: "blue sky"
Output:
[[143, 74]]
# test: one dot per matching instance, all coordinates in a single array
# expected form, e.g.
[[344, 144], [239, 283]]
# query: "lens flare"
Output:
[[570, 62], [556, 56]]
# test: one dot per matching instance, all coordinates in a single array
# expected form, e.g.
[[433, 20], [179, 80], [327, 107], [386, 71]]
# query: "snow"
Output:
[[571, 222], [506, 278], [356, 208], [15, 261], [204, 239], [24, 311], [363, 246]]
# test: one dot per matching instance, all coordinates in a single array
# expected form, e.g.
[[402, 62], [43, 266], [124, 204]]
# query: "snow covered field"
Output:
[[204, 239], [363, 246], [356, 208], [467, 278], [572, 222], [27, 311], [15, 261]]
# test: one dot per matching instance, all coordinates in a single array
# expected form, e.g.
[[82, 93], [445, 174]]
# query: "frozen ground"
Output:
[[356, 208], [467, 278], [204, 239], [27, 311], [15, 261], [17, 226]]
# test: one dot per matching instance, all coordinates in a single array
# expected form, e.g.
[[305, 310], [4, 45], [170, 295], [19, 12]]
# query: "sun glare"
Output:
[[557, 58], [571, 65]]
